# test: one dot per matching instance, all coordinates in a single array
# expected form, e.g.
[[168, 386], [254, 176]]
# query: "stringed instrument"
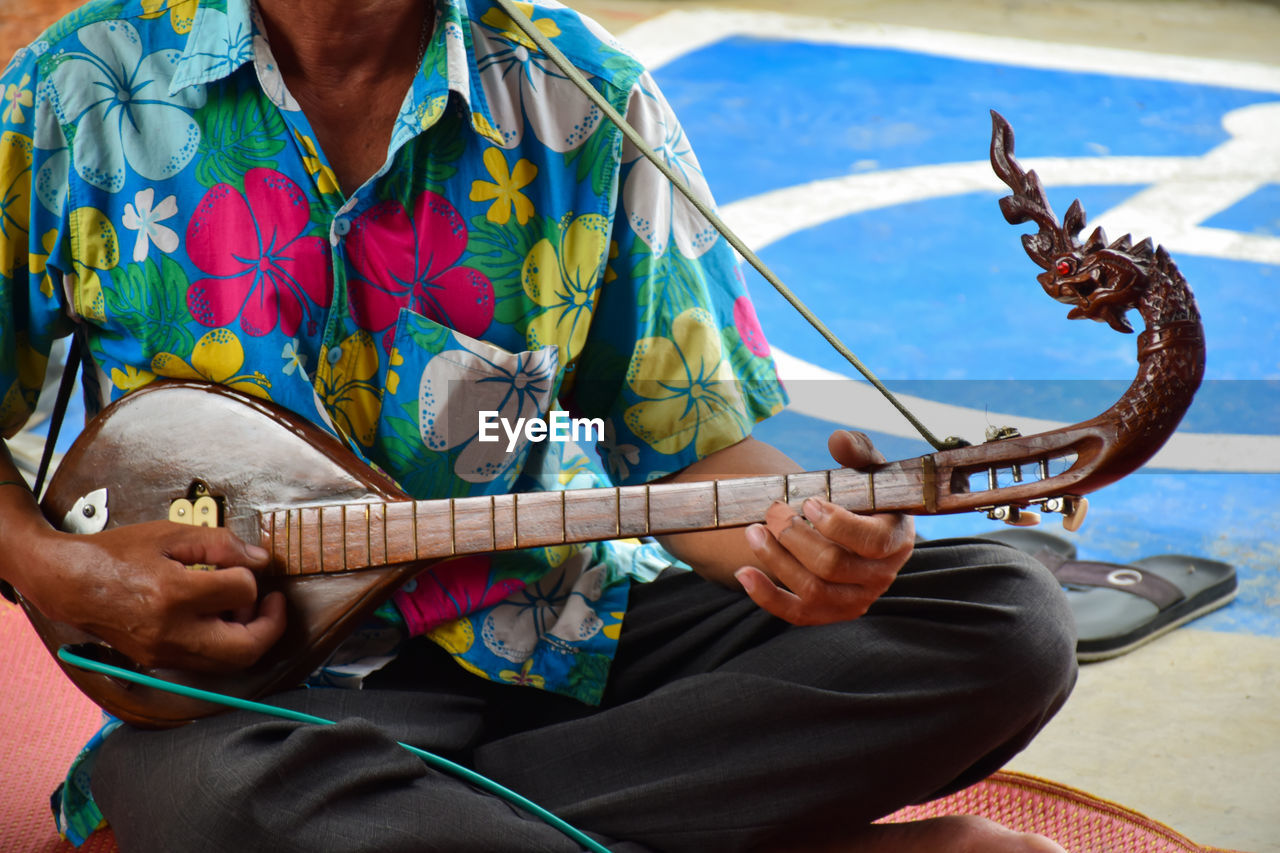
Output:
[[343, 537]]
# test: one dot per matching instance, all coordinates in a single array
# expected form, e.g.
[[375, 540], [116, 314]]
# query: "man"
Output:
[[389, 217]]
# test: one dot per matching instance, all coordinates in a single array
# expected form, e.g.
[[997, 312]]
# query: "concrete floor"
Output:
[[1186, 730]]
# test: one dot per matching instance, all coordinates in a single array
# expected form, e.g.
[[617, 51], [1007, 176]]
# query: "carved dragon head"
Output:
[[1102, 281]]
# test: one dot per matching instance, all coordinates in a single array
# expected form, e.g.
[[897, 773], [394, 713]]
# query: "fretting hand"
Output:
[[829, 564]]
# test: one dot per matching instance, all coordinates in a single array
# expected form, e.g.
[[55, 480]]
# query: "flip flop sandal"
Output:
[[1119, 608]]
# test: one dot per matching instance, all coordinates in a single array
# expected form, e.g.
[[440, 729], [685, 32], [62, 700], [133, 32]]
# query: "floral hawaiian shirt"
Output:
[[161, 191]]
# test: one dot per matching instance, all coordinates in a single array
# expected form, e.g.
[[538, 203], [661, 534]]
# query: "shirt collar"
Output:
[[221, 40], [448, 67]]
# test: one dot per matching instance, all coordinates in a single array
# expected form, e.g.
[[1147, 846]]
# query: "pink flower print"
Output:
[[411, 262], [744, 317], [449, 590], [261, 266]]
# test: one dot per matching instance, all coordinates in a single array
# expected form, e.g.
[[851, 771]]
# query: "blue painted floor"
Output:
[[938, 297]]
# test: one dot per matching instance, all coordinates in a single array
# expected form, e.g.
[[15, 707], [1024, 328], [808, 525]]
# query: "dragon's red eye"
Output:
[[1064, 267]]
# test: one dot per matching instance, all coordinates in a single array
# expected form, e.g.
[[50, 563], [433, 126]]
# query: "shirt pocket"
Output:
[[453, 406]]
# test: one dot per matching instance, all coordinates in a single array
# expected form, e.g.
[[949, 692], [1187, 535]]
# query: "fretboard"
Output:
[[351, 536]]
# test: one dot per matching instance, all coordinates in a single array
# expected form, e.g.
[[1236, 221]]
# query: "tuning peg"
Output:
[[1014, 516], [1073, 513]]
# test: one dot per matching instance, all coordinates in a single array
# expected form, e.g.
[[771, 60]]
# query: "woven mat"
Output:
[[45, 721], [1080, 822]]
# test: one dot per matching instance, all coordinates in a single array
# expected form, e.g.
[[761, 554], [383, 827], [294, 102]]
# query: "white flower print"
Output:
[[618, 456], [533, 89], [657, 212], [146, 220], [458, 384], [123, 113], [556, 610]]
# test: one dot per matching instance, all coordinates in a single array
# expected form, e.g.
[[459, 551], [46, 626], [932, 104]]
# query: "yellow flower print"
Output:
[[182, 13], [40, 262], [523, 677], [505, 189], [94, 248], [456, 637], [17, 96], [563, 280], [344, 381], [689, 389], [393, 378], [485, 128], [614, 631], [326, 180], [500, 20], [15, 199], [217, 357], [430, 111], [131, 378]]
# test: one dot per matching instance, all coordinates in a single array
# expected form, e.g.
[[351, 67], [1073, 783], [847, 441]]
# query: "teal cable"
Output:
[[482, 782]]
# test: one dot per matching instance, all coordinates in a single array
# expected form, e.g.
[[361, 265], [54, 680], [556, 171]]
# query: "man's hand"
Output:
[[130, 587], [829, 564]]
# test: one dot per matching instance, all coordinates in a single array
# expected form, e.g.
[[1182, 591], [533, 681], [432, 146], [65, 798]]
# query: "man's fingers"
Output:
[[213, 545], [220, 644], [853, 449], [218, 591], [875, 537]]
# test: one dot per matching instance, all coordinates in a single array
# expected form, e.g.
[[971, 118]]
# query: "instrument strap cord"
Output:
[[480, 781]]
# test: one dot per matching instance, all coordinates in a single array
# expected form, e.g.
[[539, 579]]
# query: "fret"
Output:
[[801, 487], [584, 520], [308, 539], [472, 526], [375, 517], [353, 538], [291, 559], [683, 507], [416, 540], [715, 503], [744, 501], [504, 535], [385, 549], [433, 529], [541, 520], [320, 537], [368, 537], [633, 511], [271, 538], [346, 563], [401, 526]]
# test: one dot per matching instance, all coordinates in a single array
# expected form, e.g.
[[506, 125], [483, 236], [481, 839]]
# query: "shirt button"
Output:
[[342, 226], [335, 354]]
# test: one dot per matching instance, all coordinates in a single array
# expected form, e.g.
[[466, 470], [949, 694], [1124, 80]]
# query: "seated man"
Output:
[[389, 218]]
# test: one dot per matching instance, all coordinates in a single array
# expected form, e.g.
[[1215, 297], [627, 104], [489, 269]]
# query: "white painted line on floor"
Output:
[[670, 36]]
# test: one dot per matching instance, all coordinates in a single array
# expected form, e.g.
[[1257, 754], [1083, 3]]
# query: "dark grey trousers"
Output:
[[722, 729]]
